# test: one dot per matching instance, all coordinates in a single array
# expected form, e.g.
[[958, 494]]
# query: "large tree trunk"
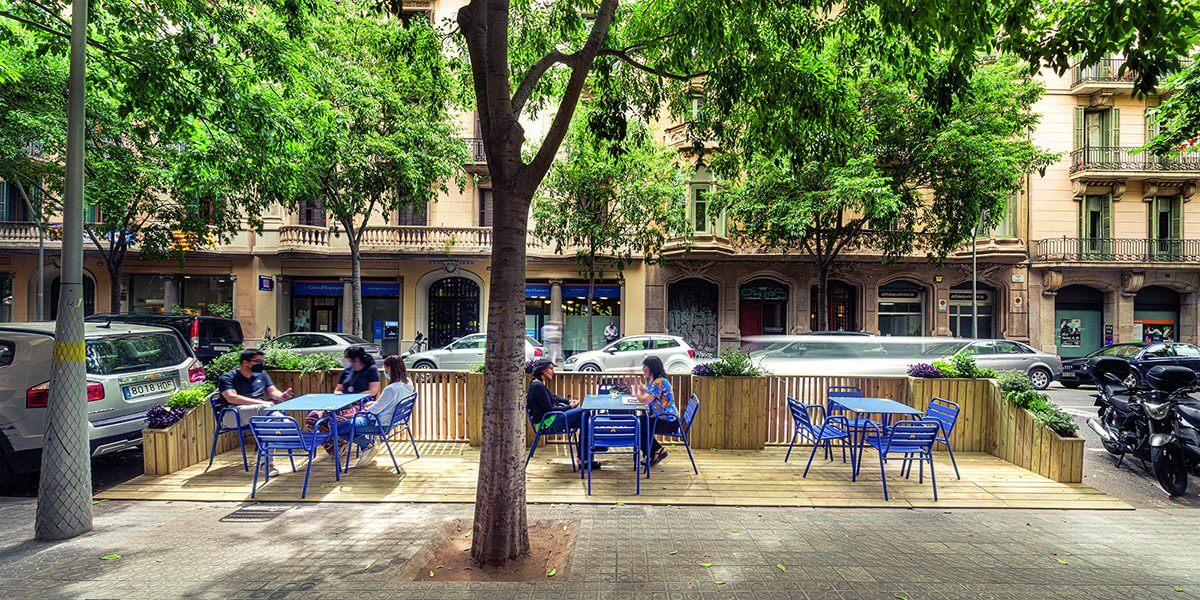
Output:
[[356, 307], [500, 532]]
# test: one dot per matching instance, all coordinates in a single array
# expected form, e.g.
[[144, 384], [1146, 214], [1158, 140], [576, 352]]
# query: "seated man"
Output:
[[541, 400], [250, 391]]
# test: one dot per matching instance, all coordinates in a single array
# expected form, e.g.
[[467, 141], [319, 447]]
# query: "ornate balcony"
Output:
[[1116, 250], [389, 239], [15, 235], [477, 163], [1108, 74], [1126, 162]]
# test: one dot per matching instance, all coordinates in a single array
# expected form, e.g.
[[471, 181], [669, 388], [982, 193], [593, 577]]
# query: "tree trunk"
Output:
[[500, 532], [822, 297], [114, 288], [356, 307], [591, 294]]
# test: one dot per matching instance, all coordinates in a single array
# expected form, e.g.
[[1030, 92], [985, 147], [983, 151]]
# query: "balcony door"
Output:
[[1097, 138], [1095, 227], [1166, 227]]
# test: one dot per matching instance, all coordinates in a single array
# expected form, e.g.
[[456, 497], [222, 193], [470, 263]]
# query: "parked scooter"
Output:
[[1174, 419], [1158, 423]]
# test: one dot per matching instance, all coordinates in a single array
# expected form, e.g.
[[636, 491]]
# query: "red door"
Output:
[[751, 317]]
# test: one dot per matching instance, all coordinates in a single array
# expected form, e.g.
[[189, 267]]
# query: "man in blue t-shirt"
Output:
[[249, 389]]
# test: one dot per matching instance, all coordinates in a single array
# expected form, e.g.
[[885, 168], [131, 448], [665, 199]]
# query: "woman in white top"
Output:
[[399, 388]]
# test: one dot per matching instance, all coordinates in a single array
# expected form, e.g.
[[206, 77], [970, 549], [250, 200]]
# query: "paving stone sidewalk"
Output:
[[227, 550]]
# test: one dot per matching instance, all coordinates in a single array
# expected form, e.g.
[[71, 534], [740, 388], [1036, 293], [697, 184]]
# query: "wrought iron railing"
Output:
[[1067, 249], [1113, 70], [1118, 158], [475, 148]]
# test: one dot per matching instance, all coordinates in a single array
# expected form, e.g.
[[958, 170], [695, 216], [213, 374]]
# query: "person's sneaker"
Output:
[[367, 457], [272, 471], [658, 458]]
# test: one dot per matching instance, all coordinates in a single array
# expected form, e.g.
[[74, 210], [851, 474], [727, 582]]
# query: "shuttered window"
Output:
[[312, 212], [1095, 225], [1166, 225], [413, 216], [486, 208]]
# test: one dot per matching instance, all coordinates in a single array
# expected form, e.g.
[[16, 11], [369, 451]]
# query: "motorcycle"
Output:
[[1157, 423], [1174, 419], [1121, 421], [420, 344]]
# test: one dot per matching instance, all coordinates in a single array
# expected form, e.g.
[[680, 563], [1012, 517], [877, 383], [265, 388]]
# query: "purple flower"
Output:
[[159, 417], [924, 370], [702, 370], [530, 364]]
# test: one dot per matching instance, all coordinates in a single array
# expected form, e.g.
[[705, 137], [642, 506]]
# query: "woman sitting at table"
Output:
[[360, 376], [399, 388], [657, 393], [541, 400]]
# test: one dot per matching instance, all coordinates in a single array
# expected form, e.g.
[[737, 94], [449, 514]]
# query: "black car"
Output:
[[208, 336], [1141, 356]]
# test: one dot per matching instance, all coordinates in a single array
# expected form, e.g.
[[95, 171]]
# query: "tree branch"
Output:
[[624, 56], [534, 74], [584, 59]]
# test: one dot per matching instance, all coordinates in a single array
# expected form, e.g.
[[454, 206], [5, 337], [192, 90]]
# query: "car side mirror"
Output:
[[610, 350]]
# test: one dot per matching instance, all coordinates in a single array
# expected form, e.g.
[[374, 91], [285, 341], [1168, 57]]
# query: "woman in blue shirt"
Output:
[[664, 416]]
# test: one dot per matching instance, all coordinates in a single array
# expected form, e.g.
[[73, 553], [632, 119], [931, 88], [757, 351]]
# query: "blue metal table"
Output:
[[597, 402], [328, 403], [864, 407]]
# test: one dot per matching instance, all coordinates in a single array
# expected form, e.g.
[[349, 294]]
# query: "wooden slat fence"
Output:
[[813, 389]]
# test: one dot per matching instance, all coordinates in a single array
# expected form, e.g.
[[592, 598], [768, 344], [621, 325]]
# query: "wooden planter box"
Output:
[[733, 412], [165, 451], [972, 432]]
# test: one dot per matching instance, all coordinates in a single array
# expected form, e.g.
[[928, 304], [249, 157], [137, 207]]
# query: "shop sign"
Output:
[[266, 283], [1108, 335], [1070, 333], [388, 289], [537, 290], [1154, 330], [902, 293], [316, 288], [980, 296], [601, 291], [764, 293]]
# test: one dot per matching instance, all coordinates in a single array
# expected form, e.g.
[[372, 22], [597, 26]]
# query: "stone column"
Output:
[[283, 304], [1118, 310], [553, 338], [172, 294], [556, 306], [870, 300], [940, 301]]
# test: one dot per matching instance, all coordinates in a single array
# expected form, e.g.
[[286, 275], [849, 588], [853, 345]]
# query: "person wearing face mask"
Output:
[[360, 376], [249, 390]]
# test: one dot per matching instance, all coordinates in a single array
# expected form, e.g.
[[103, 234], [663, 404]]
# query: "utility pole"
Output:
[[974, 283], [64, 507]]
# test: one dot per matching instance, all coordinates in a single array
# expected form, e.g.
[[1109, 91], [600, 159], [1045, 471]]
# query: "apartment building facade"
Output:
[[1102, 248]]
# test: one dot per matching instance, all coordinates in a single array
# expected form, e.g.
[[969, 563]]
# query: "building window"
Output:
[[312, 212], [485, 208], [901, 308], [12, 205], [1098, 134], [699, 211], [1095, 224], [1006, 227], [1166, 225], [413, 216], [6, 297]]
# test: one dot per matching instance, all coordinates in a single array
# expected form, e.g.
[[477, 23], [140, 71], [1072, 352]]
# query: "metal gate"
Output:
[[453, 310]]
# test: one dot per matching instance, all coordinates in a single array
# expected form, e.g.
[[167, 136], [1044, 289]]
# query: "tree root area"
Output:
[[448, 557]]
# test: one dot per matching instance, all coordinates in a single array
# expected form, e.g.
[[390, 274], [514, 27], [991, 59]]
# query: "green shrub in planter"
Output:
[[947, 369], [191, 397], [1013, 381], [735, 363], [1057, 421], [275, 356]]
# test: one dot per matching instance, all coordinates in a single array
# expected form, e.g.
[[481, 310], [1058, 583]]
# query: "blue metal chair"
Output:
[[607, 387], [685, 428], [945, 412], [802, 421], [856, 424], [557, 426], [401, 417], [912, 440], [608, 432], [220, 408], [277, 435]]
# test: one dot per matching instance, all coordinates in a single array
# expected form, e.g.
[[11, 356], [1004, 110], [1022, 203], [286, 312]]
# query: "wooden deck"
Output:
[[446, 472]]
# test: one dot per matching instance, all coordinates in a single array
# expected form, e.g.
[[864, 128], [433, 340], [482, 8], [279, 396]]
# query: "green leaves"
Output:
[[110, 557]]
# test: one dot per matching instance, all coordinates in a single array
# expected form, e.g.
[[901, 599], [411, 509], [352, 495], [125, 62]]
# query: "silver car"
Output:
[[1006, 355], [626, 355], [319, 342], [464, 353], [130, 368]]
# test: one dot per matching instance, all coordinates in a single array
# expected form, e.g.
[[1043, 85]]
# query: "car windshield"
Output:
[[353, 339], [944, 348], [533, 341], [1120, 350], [133, 352]]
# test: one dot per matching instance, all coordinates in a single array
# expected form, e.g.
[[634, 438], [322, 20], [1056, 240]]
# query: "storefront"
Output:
[[762, 307], [381, 310], [1156, 314], [843, 307], [692, 314], [961, 306], [179, 293], [454, 305], [902, 309], [316, 305], [537, 308], [606, 308], [1078, 320]]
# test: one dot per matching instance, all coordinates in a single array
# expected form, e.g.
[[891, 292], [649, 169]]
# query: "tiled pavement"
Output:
[[355, 550]]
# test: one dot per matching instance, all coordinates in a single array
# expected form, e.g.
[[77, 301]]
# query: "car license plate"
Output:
[[149, 388], [222, 348]]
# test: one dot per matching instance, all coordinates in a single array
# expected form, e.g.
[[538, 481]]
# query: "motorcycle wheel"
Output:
[[1113, 448], [1170, 469]]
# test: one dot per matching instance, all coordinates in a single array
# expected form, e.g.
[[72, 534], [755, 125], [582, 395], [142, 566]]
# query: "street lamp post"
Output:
[[64, 507]]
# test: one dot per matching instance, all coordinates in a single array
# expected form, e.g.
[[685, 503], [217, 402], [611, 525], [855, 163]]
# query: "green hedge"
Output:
[[1018, 391]]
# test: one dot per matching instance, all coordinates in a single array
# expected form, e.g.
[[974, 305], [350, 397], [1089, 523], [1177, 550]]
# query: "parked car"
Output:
[[1007, 355], [208, 336], [626, 354], [463, 353], [1141, 356], [130, 368], [320, 342]]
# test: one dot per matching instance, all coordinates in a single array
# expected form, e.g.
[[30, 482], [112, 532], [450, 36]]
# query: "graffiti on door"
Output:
[[692, 314]]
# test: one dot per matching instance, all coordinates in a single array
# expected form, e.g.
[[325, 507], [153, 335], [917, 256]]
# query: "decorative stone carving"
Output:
[[693, 268], [1051, 281], [1132, 282], [1082, 187], [1152, 188]]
